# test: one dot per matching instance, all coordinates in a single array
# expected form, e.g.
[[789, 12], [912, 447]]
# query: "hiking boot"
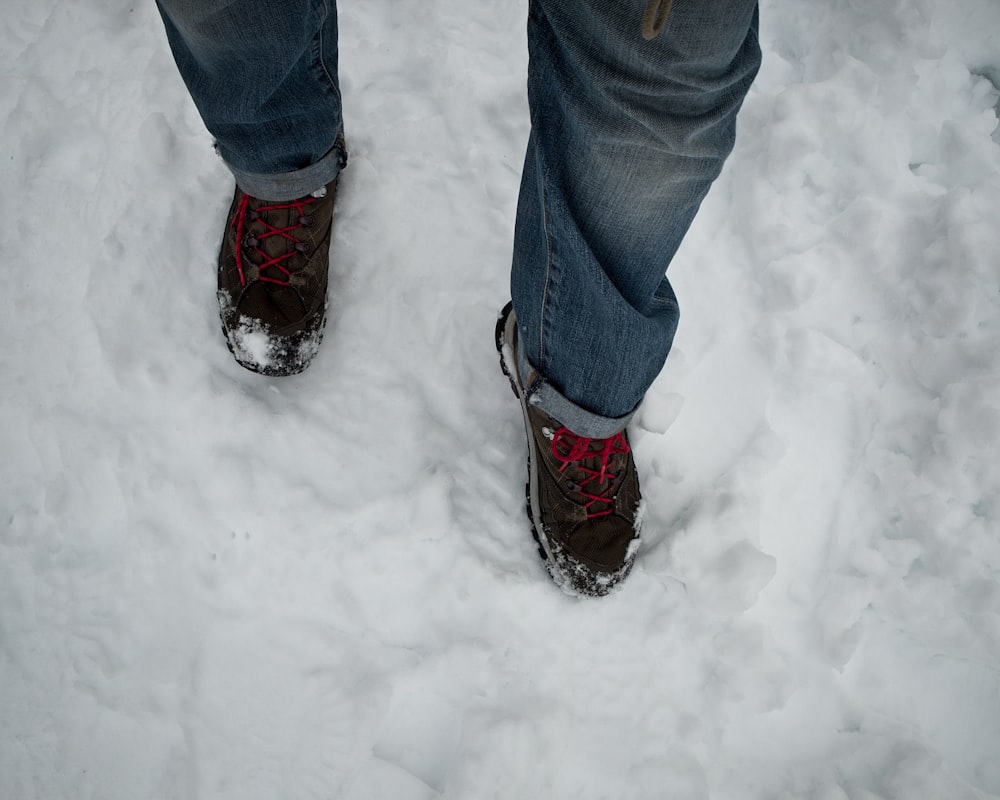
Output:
[[273, 268], [582, 494]]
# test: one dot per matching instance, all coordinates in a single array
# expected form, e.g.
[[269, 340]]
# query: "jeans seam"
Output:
[[543, 317], [319, 42]]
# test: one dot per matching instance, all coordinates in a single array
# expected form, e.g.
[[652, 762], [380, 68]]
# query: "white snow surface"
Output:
[[215, 585]]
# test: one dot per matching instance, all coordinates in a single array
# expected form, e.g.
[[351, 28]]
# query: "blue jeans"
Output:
[[627, 136]]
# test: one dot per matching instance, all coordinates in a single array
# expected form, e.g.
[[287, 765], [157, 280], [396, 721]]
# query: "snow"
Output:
[[219, 585]]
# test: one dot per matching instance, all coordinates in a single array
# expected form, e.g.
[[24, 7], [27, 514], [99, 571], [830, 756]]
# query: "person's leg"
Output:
[[627, 136], [263, 75]]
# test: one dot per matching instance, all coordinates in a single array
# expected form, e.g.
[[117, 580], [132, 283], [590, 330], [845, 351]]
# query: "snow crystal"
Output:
[[252, 343]]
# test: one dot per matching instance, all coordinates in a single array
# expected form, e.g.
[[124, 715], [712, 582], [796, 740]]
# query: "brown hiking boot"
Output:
[[582, 494], [273, 268]]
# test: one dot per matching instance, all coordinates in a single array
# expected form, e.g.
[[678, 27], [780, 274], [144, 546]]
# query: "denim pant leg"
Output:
[[627, 135], [263, 75]]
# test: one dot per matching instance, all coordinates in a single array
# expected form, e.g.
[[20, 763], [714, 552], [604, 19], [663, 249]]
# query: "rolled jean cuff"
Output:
[[542, 394], [285, 186]]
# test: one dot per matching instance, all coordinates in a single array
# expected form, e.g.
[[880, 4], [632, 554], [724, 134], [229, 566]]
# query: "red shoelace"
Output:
[[571, 450], [304, 220]]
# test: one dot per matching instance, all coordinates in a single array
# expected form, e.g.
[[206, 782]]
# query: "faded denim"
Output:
[[627, 136], [263, 75]]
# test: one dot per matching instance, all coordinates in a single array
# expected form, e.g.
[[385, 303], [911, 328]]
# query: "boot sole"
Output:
[[500, 338]]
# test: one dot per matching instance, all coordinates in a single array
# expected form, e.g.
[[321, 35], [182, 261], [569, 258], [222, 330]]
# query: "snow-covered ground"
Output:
[[219, 586]]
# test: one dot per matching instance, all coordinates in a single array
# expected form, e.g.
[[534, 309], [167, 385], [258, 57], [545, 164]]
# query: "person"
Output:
[[633, 108]]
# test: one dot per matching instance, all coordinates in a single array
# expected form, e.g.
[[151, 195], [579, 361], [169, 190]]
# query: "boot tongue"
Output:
[[593, 466], [275, 244], [582, 473], [276, 302]]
